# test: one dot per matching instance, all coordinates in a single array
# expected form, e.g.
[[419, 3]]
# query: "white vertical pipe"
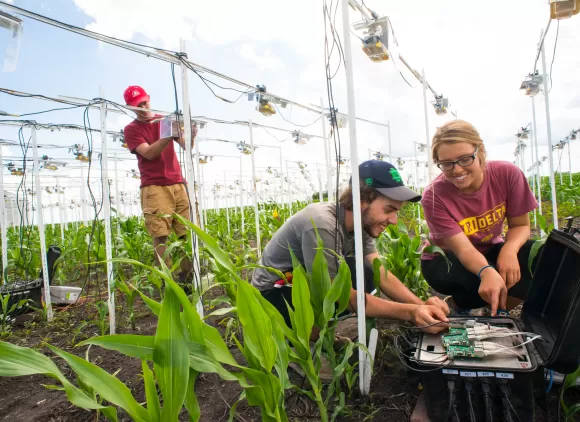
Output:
[[3, 222], [190, 177], [60, 211], [200, 207], [289, 193], [537, 162], [549, 129], [326, 153], [226, 199], [45, 273], [320, 195], [83, 195], [281, 179], [364, 363], [117, 198], [242, 196], [569, 162], [427, 138], [255, 191], [107, 216], [51, 208]]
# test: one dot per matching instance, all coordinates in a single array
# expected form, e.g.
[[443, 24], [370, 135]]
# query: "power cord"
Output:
[[468, 384], [488, 401], [452, 397], [504, 388]]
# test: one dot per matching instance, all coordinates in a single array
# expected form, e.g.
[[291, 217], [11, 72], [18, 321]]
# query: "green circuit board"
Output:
[[463, 352], [455, 337]]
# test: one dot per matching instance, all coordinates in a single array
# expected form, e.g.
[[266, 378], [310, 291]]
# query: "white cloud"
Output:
[[266, 61]]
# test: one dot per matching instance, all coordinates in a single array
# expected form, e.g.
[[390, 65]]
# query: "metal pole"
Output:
[[190, 178], [255, 191], [242, 196], [326, 154], [45, 273], [83, 196], [226, 198], [50, 206], [200, 221], [107, 217], [281, 178], [320, 196], [427, 138], [569, 162], [289, 193], [537, 162], [364, 362], [549, 129], [3, 223], [60, 211], [117, 198]]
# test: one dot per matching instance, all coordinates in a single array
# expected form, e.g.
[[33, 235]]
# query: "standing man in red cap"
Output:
[[163, 188]]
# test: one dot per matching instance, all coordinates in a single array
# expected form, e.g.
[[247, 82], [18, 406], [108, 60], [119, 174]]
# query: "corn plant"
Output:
[[569, 382], [9, 307], [102, 312], [400, 254]]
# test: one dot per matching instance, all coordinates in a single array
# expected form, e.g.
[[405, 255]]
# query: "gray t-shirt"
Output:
[[298, 233]]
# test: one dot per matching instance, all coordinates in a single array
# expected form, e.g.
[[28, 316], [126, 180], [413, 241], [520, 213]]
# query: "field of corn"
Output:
[[170, 363]]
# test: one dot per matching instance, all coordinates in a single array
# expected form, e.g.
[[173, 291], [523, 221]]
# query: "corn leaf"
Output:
[[320, 280], [19, 361], [191, 402], [104, 384], [201, 360], [153, 404], [339, 292], [171, 358], [303, 312], [257, 326], [133, 345]]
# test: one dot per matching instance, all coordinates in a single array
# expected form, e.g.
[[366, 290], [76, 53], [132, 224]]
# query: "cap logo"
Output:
[[135, 93], [395, 175], [369, 181]]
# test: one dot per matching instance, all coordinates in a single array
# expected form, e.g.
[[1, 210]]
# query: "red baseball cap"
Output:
[[134, 95]]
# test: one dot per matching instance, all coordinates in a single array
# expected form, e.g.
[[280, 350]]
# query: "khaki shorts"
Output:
[[160, 200]]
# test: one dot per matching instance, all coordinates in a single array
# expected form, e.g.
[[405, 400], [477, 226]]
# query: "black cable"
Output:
[[487, 400], [452, 397], [554, 56], [508, 404], [296, 124], [468, 390]]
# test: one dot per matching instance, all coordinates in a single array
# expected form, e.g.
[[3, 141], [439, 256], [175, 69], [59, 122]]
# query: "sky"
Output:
[[474, 53]]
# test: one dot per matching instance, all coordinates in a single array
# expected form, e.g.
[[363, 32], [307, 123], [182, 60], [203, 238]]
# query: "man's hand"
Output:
[[508, 266], [493, 289], [441, 304], [424, 315]]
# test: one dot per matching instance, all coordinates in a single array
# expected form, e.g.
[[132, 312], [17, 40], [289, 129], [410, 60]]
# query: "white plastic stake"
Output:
[[117, 198], [45, 273], [226, 201], [201, 205], [320, 194], [255, 191], [364, 363], [427, 138], [3, 222], [83, 195], [549, 129], [537, 162], [107, 216], [242, 196], [281, 178], [191, 179]]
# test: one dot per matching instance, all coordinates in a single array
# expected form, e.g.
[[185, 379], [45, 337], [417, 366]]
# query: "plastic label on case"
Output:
[[504, 375], [450, 371], [486, 374], [468, 374]]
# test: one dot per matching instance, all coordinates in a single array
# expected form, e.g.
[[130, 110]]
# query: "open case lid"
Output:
[[552, 307]]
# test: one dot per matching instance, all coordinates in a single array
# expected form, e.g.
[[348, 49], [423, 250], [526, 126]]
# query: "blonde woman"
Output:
[[466, 208]]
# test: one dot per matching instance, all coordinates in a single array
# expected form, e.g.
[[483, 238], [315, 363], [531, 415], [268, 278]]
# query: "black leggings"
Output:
[[278, 296], [463, 285]]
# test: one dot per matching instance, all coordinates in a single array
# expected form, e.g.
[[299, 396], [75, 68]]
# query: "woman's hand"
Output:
[[493, 289], [508, 266], [441, 304]]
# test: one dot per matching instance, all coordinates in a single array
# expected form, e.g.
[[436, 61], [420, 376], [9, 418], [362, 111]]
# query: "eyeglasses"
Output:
[[463, 162]]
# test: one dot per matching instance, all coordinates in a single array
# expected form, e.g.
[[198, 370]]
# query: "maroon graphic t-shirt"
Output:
[[480, 215]]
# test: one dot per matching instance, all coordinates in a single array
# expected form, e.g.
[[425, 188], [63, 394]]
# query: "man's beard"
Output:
[[368, 223]]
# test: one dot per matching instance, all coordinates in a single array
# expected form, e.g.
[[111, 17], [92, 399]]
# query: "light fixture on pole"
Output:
[[531, 84], [564, 9], [440, 104]]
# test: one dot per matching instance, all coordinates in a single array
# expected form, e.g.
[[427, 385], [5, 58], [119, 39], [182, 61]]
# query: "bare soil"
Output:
[[394, 390]]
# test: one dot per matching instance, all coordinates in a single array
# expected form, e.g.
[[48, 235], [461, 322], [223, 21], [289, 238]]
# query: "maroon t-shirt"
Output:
[[480, 215], [161, 171]]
